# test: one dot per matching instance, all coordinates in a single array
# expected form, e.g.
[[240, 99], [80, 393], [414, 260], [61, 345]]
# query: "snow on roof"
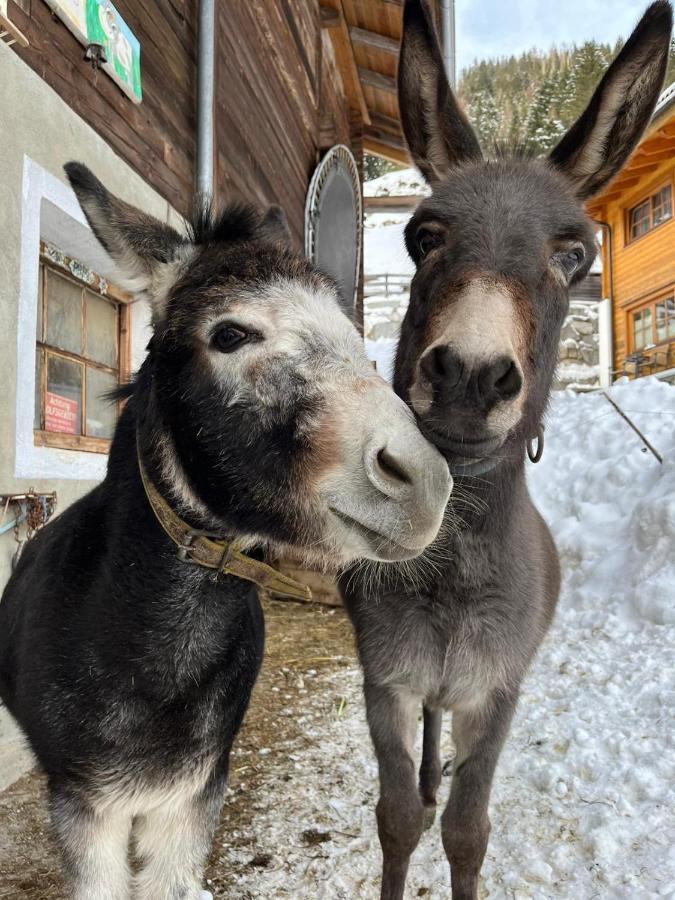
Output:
[[396, 184]]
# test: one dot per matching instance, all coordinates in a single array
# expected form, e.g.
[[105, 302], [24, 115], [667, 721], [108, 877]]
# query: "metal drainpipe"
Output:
[[448, 31], [206, 65], [610, 290]]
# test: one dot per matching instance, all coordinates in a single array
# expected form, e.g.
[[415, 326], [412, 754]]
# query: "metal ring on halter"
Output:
[[536, 455]]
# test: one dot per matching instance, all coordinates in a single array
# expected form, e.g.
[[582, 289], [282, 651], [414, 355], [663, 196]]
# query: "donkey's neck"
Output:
[[489, 503], [142, 576]]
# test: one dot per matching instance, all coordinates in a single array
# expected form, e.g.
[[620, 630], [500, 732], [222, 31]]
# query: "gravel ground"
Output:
[[303, 642]]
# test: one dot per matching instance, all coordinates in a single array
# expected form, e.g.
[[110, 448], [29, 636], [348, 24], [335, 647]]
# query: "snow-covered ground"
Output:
[[584, 793], [384, 249]]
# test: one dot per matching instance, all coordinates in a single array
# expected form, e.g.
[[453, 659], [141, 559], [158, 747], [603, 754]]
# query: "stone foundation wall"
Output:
[[579, 349]]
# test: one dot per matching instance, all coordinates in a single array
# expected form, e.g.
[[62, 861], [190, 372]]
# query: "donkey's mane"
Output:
[[513, 150], [235, 222]]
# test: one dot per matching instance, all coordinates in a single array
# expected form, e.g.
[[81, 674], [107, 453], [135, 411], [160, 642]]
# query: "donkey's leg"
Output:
[[94, 847], [430, 769], [478, 736], [392, 717], [173, 843]]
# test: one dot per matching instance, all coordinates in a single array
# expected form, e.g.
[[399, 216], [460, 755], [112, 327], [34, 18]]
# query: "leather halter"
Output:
[[203, 548]]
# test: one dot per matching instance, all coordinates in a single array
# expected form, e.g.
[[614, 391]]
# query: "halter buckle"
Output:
[[184, 548]]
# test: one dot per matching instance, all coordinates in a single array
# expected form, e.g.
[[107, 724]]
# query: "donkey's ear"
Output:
[[602, 138], [147, 252], [436, 130], [274, 226]]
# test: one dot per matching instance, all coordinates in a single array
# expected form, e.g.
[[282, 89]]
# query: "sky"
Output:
[[486, 29]]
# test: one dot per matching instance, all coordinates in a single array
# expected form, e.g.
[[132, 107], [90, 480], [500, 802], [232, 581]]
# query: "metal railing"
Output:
[[389, 285], [650, 361]]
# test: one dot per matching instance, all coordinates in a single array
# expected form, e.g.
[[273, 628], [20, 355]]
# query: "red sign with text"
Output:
[[60, 413]]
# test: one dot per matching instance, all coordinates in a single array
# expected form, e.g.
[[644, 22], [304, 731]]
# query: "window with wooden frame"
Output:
[[650, 212], [654, 323], [82, 353]]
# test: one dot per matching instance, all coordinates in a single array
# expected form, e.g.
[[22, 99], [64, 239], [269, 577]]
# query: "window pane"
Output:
[[101, 330], [40, 312], [660, 311], [39, 362], [647, 326], [101, 413], [64, 314], [638, 340], [662, 205], [64, 395], [670, 309], [639, 219]]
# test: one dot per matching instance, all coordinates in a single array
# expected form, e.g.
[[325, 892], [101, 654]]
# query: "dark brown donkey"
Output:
[[496, 245]]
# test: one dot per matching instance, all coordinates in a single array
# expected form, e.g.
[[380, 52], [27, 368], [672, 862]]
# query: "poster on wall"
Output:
[[61, 413], [98, 22]]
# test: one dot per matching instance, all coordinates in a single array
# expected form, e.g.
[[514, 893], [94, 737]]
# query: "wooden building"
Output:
[[292, 79], [637, 213]]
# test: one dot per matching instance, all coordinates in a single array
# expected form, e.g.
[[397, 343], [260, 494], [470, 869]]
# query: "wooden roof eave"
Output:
[[374, 31], [658, 145]]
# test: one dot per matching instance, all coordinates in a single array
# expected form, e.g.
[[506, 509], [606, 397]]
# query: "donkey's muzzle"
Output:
[[386, 497], [469, 383]]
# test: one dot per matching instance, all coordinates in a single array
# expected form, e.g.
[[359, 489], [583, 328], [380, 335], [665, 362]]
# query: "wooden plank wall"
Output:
[[267, 98], [157, 138], [279, 97]]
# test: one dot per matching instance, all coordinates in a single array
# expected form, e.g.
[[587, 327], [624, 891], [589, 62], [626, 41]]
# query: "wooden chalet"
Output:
[[636, 212]]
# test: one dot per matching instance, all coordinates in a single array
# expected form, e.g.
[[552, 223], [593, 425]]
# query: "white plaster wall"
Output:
[[38, 134]]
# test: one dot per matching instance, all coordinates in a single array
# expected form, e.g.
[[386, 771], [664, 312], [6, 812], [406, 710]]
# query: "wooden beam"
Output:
[[607, 198], [346, 62], [385, 123], [622, 183], [373, 40], [10, 34], [385, 137], [330, 18], [370, 145], [377, 80], [641, 167], [401, 204], [647, 156]]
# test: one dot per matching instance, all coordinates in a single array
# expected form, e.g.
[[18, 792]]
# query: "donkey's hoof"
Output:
[[429, 815]]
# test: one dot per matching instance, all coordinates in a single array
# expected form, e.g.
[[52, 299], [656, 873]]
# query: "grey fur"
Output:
[[459, 633]]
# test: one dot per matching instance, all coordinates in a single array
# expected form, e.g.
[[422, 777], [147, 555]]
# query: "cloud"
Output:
[[486, 29]]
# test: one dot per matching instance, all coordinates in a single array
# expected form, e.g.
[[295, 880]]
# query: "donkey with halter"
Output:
[[130, 632], [496, 247]]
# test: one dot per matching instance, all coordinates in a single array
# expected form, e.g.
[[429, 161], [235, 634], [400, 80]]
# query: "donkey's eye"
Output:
[[569, 260], [227, 338], [428, 240]]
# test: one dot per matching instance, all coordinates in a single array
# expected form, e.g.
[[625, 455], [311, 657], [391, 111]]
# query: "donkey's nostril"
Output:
[[509, 383], [392, 467], [441, 365]]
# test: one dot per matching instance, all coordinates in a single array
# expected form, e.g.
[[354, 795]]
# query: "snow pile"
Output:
[[582, 800], [597, 473], [384, 248], [401, 183]]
